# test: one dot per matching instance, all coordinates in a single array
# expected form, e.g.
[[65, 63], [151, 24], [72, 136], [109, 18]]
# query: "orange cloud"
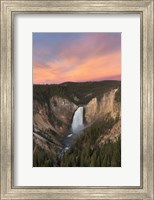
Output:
[[61, 57], [72, 69]]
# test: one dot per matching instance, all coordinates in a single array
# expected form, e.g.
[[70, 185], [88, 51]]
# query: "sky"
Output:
[[76, 57]]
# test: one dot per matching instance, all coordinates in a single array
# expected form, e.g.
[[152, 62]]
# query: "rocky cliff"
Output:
[[112, 135], [97, 108], [55, 116], [63, 110]]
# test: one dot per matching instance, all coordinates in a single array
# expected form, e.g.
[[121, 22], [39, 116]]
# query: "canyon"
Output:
[[64, 113]]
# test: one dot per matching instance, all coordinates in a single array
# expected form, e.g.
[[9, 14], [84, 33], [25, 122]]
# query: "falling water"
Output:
[[77, 124]]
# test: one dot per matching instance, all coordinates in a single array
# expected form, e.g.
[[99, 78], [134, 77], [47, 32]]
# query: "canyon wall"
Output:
[[97, 108], [58, 113], [55, 116]]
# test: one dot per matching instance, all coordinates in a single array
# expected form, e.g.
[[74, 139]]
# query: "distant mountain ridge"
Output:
[[76, 92]]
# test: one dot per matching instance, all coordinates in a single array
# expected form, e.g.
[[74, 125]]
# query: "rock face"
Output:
[[45, 144], [112, 136], [99, 108], [41, 118], [55, 116], [62, 109]]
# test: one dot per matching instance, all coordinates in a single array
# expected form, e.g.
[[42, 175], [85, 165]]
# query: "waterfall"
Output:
[[77, 124]]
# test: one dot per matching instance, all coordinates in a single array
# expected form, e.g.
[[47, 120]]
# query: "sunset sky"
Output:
[[77, 57]]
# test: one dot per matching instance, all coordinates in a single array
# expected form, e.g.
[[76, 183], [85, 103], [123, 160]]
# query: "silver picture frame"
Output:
[[8, 10]]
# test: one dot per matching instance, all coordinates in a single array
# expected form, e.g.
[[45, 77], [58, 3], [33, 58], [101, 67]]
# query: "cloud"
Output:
[[95, 68], [94, 56]]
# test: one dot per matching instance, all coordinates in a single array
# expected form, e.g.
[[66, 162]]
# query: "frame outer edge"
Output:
[[9, 100], [3, 100], [150, 45], [7, 192]]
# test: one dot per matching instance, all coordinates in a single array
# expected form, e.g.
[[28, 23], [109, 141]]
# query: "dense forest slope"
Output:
[[53, 109]]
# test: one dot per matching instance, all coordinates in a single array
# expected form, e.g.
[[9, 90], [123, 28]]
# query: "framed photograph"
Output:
[[77, 99]]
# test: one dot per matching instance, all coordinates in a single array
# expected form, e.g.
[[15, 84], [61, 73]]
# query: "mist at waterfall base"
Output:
[[76, 127]]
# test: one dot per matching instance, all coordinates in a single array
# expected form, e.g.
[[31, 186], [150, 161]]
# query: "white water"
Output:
[[77, 124], [69, 135]]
